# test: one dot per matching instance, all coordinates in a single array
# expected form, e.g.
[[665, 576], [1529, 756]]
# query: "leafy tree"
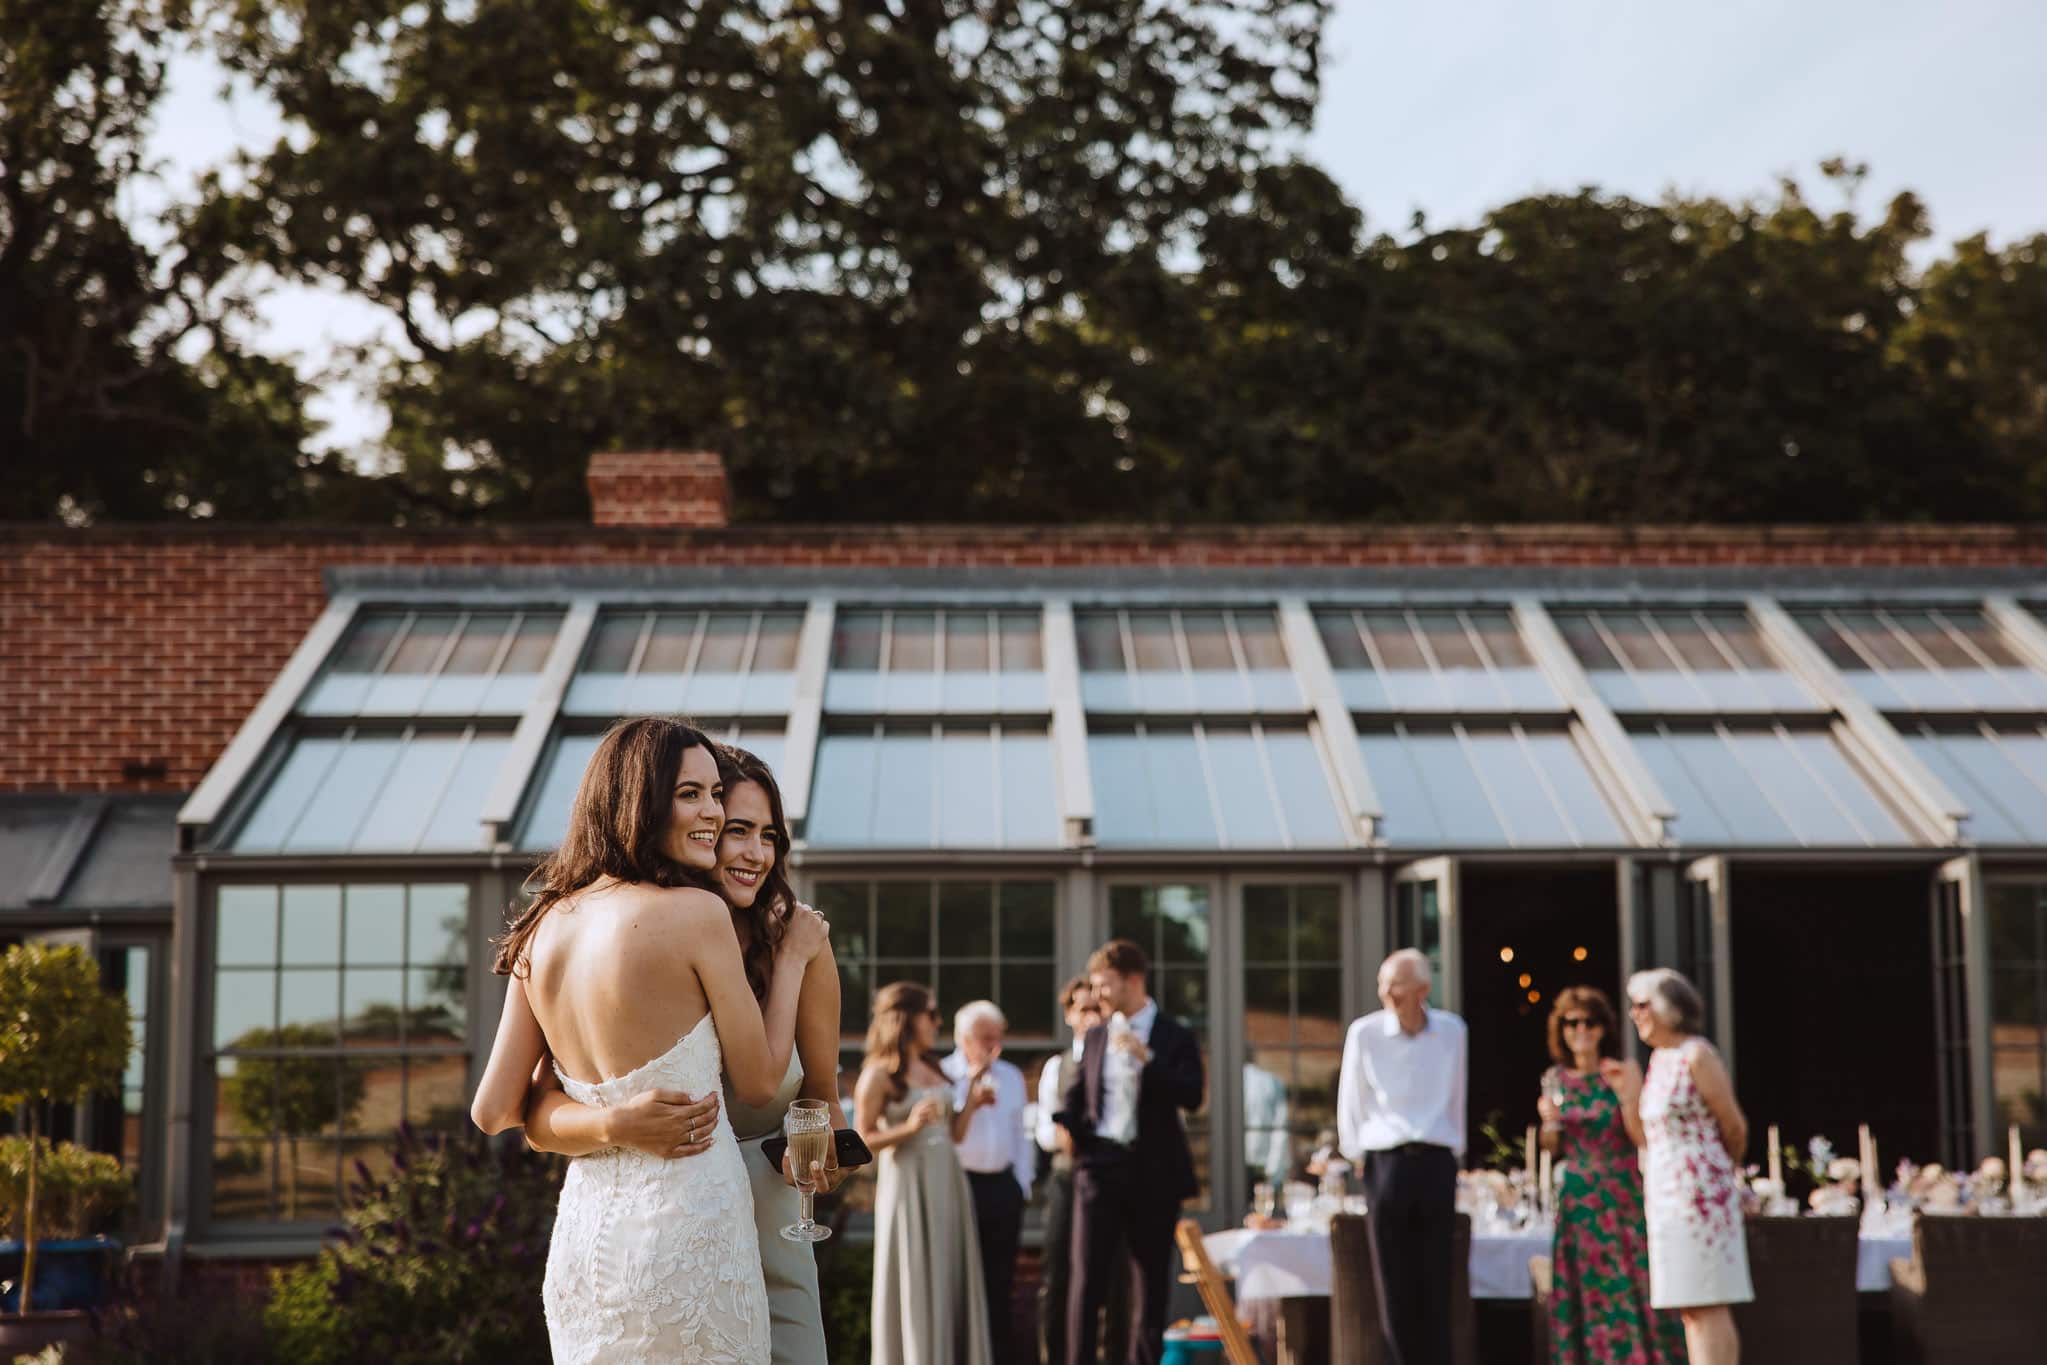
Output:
[[294, 1092], [123, 393], [833, 239], [62, 1037]]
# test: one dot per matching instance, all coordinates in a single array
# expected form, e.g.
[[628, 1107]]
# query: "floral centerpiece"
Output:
[[1834, 1178]]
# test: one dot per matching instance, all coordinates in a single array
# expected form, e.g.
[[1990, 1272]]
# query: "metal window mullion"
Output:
[[405, 738], [346, 738], [1927, 662], [806, 708], [504, 649], [752, 645], [698, 634], [1338, 735], [936, 778], [886, 657], [647, 620], [1719, 643], [448, 648], [1784, 737], [1060, 656], [1286, 834], [1421, 639], [1853, 639], [1990, 733], [441, 794], [537, 722], [1485, 656], [1236, 649], [1678, 663], [995, 775], [2023, 633], [1357, 621], [1597, 620], [1984, 662]]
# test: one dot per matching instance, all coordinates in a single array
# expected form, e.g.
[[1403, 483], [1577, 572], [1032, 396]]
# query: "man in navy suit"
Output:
[[1132, 1165]]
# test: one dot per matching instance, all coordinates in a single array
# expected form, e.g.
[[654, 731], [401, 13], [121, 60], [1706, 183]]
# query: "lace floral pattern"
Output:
[[1698, 1250], [656, 1260]]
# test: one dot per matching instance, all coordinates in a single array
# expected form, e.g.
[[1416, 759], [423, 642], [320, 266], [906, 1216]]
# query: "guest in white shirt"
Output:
[[1400, 1110], [996, 1149], [1079, 1007]]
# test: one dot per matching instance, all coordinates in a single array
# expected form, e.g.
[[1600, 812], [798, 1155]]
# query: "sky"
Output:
[[1449, 109]]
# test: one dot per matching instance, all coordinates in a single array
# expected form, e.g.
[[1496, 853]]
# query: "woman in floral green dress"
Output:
[[1599, 1299]]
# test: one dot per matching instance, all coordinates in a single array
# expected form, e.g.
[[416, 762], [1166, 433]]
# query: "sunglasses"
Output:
[[1579, 1021]]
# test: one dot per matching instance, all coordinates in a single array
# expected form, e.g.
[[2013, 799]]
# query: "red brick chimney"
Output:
[[659, 488]]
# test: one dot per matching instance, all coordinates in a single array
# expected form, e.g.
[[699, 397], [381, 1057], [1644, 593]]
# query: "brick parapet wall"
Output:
[[129, 652]]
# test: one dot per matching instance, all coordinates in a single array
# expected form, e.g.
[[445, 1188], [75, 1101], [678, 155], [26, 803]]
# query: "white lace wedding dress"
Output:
[[656, 1260]]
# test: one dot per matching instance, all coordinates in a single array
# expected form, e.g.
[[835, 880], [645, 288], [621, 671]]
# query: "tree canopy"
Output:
[[1007, 260]]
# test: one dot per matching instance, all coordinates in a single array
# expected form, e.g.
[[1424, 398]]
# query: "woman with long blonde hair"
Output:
[[929, 1304]]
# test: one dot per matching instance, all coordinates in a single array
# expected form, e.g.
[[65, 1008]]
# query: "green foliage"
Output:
[[186, 1329], [62, 1036], [79, 1192], [441, 1261], [845, 1282]]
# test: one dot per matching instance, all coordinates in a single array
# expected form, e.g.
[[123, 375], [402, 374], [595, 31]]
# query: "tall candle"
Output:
[[1528, 1151], [1872, 1182], [1776, 1160], [2017, 1162], [1543, 1184]]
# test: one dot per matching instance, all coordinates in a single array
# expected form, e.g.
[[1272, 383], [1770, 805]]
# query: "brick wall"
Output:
[[128, 655]]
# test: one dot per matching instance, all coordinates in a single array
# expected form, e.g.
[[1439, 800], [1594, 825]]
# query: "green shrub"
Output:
[[845, 1283], [194, 1329], [442, 1261], [79, 1192]]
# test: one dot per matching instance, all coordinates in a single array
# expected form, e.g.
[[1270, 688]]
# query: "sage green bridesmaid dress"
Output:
[[795, 1319]]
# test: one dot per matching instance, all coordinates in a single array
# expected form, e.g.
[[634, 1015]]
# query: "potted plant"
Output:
[[62, 1038]]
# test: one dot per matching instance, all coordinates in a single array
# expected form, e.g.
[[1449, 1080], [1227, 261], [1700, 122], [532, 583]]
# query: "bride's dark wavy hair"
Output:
[[617, 826], [768, 918]]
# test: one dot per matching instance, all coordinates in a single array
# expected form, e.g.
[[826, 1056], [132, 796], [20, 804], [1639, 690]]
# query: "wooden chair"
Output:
[[1805, 1308], [1972, 1293], [1303, 1336], [1355, 1337], [1215, 1295]]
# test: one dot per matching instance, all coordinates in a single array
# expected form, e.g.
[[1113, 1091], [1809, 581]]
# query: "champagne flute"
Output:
[[809, 1125]]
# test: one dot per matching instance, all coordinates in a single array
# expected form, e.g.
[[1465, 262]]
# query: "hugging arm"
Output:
[[515, 1054]]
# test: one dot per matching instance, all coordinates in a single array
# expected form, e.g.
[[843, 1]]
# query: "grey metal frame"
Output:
[[529, 739], [1338, 737], [1069, 725]]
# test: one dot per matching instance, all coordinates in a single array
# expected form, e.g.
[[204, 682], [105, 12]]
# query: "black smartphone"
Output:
[[846, 1146]]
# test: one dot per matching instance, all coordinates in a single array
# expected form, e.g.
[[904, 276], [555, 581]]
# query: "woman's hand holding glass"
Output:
[[809, 1126]]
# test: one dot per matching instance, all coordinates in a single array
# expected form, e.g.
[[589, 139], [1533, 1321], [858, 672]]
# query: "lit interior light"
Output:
[[1506, 954], [1526, 981], [1578, 953], [1535, 997]]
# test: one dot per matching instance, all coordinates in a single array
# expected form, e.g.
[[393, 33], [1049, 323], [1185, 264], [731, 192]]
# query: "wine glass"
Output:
[[809, 1126], [1265, 1198]]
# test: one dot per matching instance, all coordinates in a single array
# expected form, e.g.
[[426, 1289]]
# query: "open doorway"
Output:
[[1527, 933], [1833, 1005]]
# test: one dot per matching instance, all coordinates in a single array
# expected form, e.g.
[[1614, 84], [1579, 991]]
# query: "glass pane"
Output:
[[1458, 799], [298, 780], [1100, 641], [549, 818], [312, 926], [242, 1175], [966, 642], [670, 644], [1577, 796], [612, 643], [913, 645], [902, 920], [1268, 928], [966, 919], [245, 926], [353, 784], [1029, 919], [375, 920], [1258, 634], [724, 646], [1151, 639], [1872, 821], [436, 1003], [1318, 1003], [436, 1093], [1739, 635], [1179, 810], [476, 650], [1026, 992], [904, 795], [774, 650], [244, 1006], [1831, 643], [1030, 815], [438, 929], [1933, 640], [1583, 637], [1208, 643], [308, 1004], [1629, 632], [843, 795], [1268, 1006], [531, 646], [1693, 645], [1395, 642], [1318, 924], [1023, 649], [1249, 819], [1724, 779], [958, 983], [1340, 639], [421, 648], [856, 641], [856, 999], [1306, 801], [1978, 631], [1699, 821], [405, 804], [1878, 640], [1501, 640], [458, 821], [373, 1006], [367, 640], [1448, 641], [844, 906], [966, 790]]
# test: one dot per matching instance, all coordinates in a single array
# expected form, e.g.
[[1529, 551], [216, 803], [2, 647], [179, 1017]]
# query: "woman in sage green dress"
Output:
[[1599, 1262], [930, 1302]]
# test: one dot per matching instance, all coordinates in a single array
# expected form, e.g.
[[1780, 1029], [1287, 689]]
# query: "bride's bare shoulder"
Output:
[[659, 912]]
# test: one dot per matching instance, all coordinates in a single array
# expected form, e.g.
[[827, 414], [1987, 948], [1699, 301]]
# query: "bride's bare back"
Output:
[[617, 975]]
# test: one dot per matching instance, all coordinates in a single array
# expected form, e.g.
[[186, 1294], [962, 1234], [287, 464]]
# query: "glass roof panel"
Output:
[[1434, 661], [1926, 659], [1218, 662], [2000, 773], [434, 663], [1490, 787], [1211, 786], [1766, 788], [376, 793], [718, 663], [1681, 661], [964, 788], [955, 662]]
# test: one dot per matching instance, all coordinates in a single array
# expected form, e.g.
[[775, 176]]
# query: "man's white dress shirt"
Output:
[[1122, 1075], [997, 1138], [1395, 1088], [1052, 1093]]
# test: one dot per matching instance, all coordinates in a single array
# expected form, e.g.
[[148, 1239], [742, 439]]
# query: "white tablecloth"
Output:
[[1287, 1264]]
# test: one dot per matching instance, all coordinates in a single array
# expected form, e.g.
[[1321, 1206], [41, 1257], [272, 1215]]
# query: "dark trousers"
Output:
[[998, 1220], [1120, 1231], [1412, 1220], [1058, 1278]]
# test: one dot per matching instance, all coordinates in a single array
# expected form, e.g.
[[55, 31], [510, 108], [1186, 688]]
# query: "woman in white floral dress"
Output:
[[1698, 1251]]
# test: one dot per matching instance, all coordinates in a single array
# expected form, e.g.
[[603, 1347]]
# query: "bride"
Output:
[[626, 970]]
